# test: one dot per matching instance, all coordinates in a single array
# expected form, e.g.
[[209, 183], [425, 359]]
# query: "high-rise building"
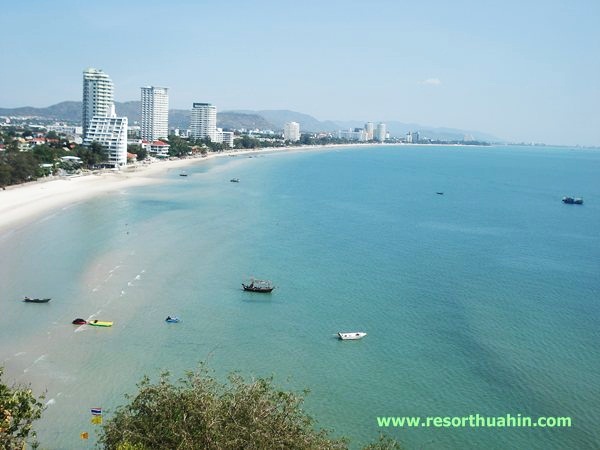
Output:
[[203, 122], [155, 113], [291, 131], [369, 130], [109, 131], [97, 96], [381, 132]]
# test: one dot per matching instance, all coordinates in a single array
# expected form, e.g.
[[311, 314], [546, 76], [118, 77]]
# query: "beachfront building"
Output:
[[380, 133], [155, 113], [224, 137], [413, 137], [97, 96], [369, 130], [156, 148], [111, 132], [203, 121], [291, 131], [356, 134]]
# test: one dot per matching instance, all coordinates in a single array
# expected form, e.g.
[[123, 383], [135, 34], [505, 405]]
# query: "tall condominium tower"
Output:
[[155, 113], [97, 96], [291, 131], [203, 122], [381, 132], [369, 130]]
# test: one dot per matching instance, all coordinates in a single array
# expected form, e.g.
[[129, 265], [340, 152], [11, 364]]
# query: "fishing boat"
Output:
[[264, 286], [235, 180], [572, 201], [79, 322], [351, 336], [36, 300], [98, 323], [183, 174], [173, 319]]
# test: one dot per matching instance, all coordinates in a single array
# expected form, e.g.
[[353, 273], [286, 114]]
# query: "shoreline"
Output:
[[24, 202]]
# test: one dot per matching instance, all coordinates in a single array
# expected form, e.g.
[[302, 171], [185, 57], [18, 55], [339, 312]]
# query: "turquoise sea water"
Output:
[[483, 300]]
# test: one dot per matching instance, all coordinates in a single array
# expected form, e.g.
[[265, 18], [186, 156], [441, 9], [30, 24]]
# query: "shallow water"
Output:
[[482, 300]]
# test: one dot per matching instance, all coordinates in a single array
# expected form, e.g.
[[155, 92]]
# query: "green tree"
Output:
[[23, 166], [198, 412], [246, 142], [178, 146], [138, 150], [306, 139], [27, 133], [18, 410], [92, 155], [52, 135], [5, 174], [45, 154]]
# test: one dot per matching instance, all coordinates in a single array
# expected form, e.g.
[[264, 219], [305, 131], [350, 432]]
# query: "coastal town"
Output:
[[33, 146]]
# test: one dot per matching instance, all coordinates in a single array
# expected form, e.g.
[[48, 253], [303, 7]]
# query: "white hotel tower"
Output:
[[155, 113], [97, 96], [109, 131], [291, 131], [203, 122], [381, 132]]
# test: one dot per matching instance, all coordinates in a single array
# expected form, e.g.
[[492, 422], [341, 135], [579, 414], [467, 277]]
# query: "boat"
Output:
[[79, 322], [439, 193], [572, 201], [235, 180], [98, 323], [183, 174], [351, 336], [259, 286], [36, 300], [173, 319]]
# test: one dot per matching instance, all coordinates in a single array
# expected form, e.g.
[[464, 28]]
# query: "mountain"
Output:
[[234, 120], [263, 119], [178, 118], [278, 117], [398, 129], [69, 111]]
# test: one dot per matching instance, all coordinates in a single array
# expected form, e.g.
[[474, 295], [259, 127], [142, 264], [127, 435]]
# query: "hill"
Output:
[[70, 111], [278, 117], [398, 129]]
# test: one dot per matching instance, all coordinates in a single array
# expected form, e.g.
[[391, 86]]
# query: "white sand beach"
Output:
[[23, 202]]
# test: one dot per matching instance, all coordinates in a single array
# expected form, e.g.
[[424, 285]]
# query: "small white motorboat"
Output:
[[352, 335]]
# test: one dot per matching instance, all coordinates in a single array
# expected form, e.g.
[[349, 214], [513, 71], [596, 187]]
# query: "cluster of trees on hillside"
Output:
[[197, 412]]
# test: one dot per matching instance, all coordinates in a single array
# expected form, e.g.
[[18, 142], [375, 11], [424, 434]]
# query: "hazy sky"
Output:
[[522, 70]]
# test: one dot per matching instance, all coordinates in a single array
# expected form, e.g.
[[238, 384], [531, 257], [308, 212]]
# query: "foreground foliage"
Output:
[[199, 412], [18, 410]]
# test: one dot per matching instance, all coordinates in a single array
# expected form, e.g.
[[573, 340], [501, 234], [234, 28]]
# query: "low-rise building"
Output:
[[158, 149], [357, 134], [224, 137]]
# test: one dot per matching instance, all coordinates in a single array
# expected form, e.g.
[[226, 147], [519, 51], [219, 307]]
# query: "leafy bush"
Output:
[[199, 412]]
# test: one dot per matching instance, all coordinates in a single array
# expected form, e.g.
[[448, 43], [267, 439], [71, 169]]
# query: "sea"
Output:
[[482, 300]]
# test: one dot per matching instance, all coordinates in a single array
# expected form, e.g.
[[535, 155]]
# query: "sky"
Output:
[[525, 71]]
